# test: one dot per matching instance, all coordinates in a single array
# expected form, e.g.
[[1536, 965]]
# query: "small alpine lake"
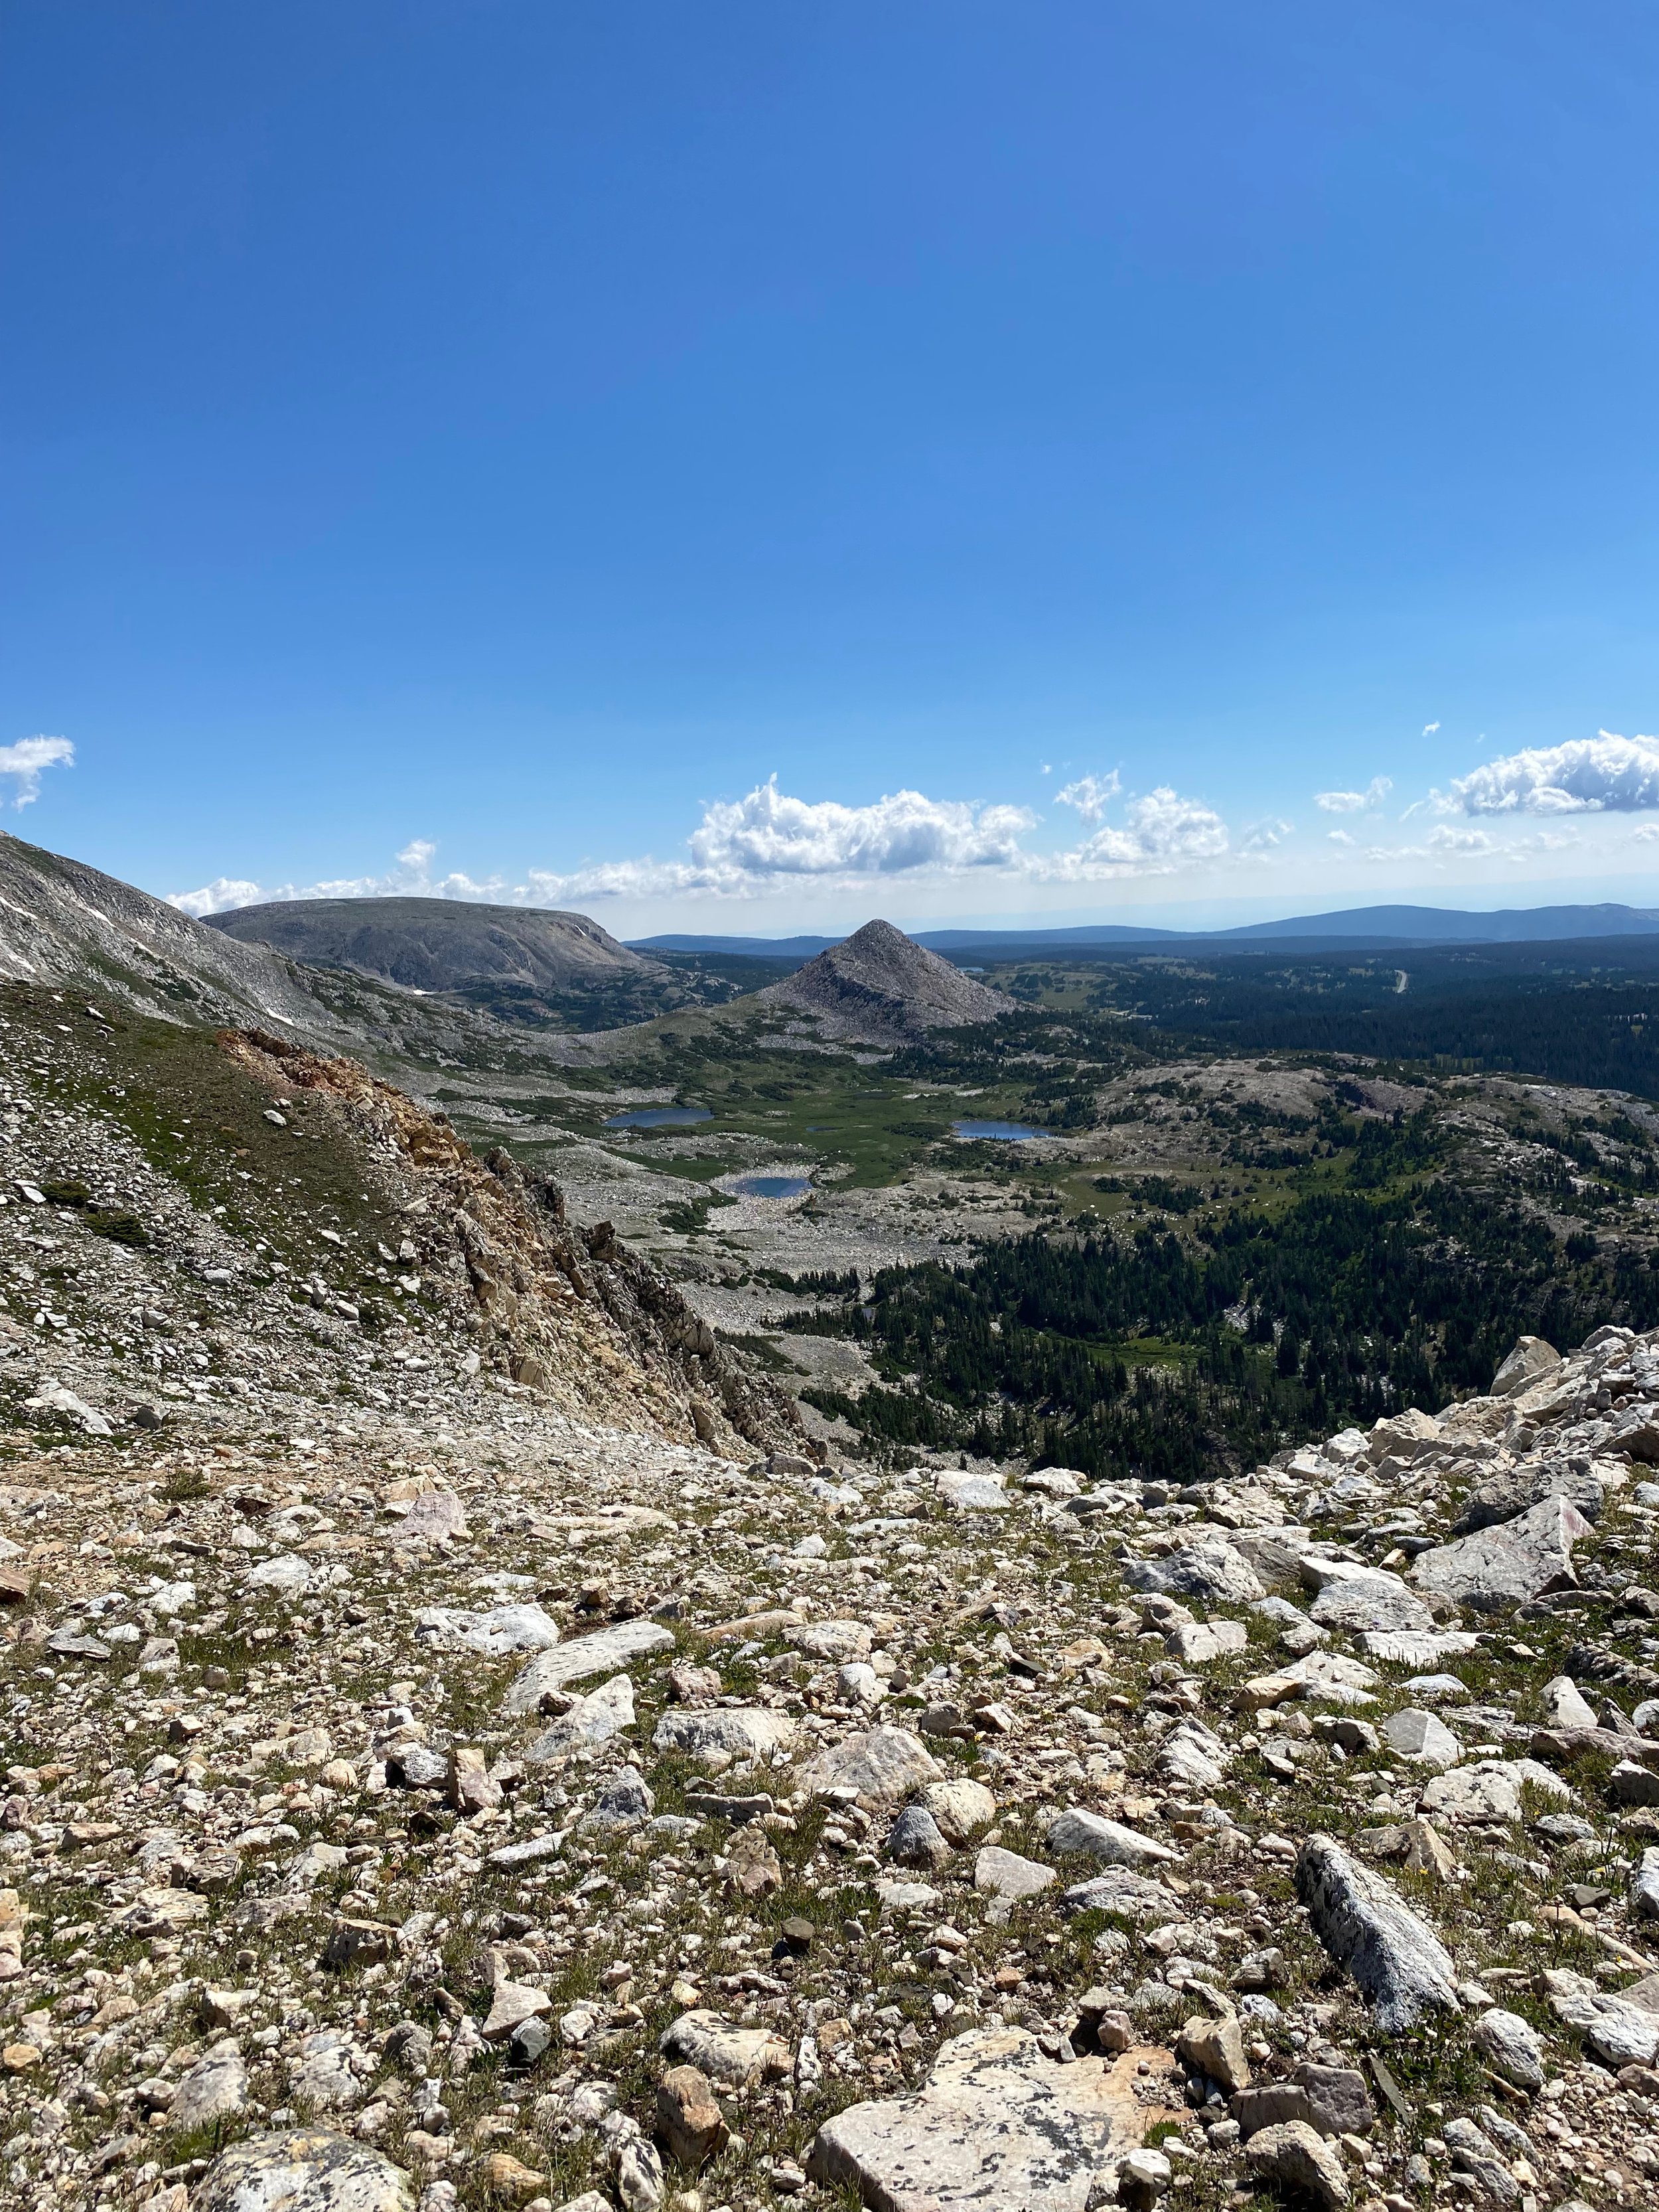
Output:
[[1008, 1132]]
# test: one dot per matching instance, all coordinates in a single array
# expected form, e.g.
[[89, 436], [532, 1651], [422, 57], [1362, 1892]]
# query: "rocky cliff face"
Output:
[[880, 988]]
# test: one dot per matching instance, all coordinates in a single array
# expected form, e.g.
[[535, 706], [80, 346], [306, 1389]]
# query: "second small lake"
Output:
[[772, 1186], [1011, 1133]]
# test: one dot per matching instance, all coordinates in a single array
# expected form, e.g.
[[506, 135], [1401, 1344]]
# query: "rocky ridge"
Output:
[[881, 988], [433, 1781]]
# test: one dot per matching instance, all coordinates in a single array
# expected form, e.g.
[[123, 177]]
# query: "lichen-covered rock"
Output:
[[305, 2170], [1399, 1963], [996, 2122]]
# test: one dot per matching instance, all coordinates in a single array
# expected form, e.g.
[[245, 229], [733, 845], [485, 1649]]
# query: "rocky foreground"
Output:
[[423, 1790]]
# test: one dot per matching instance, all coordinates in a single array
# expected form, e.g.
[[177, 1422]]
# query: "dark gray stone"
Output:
[[1399, 1963]]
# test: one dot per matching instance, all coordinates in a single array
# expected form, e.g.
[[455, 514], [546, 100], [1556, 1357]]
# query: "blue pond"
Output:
[[1013, 1133], [660, 1117], [772, 1186]]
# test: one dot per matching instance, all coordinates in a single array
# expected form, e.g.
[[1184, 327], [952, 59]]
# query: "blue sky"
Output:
[[752, 467]]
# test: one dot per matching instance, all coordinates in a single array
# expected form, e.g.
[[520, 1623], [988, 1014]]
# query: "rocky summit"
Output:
[[882, 987], [464, 1747]]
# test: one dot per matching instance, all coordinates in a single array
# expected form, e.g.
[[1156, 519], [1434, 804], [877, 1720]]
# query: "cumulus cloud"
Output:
[[1089, 794], [769, 840], [1163, 832], [1429, 728], [1356, 802], [25, 759], [1603, 774]]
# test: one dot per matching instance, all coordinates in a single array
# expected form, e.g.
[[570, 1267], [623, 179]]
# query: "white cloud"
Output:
[[1429, 728], [1165, 832], [1460, 841], [1356, 802], [1339, 838], [1089, 794], [1603, 774], [25, 759], [769, 840], [1265, 837], [410, 878]]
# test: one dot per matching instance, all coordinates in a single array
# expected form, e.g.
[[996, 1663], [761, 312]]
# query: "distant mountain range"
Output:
[[1364, 928]]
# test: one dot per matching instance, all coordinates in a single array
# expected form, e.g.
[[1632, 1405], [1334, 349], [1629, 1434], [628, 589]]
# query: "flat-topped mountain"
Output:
[[440, 944], [882, 987]]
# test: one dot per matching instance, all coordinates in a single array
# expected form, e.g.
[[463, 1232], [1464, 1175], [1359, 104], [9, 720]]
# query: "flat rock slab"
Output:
[[305, 2170], [1417, 1734], [998, 1873], [213, 2088], [1119, 1891], [1197, 1642], [504, 1628], [1212, 1569], [1410, 1648], [997, 2124], [736, 1731], [1490, 1789], [582, 1658], [736, 2057], [885, 1763], [836, 1640], [972, 1493], [1399, 1962], [1357, 1598], [1509, 1564], [1079, 1833], [1333, 1678]]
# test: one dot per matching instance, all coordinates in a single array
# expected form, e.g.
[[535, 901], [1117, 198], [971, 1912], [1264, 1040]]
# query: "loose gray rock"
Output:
[[735, 1731], [1511, 2047], [1532, 1360], [305, 2170], [736, 2057], [1565, 1705], [1502, 1497], [1296, 2156], [885, 1763], [915, 1839], [1079, 1833], [1417, 1734], [626, 1803], [1490, 1789], [1209, 1568], [1120, 1891], [1356, 1597], [1399, 1962], [998, 1873], [590, 1722], [213, 2088], [1645, 1886]]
